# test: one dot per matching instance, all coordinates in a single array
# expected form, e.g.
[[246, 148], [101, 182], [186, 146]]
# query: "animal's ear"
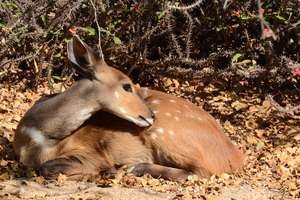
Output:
[[83, 57]]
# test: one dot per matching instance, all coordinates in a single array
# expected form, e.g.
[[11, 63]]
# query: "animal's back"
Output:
[[185, 136]]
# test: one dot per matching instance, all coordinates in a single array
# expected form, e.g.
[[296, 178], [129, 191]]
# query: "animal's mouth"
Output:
[[149, 120], [141, 121]]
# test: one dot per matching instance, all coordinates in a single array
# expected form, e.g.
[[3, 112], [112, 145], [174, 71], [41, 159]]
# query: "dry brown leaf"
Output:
[[253, 109], [61, 179], [228, 126], [259, 133], [251, 139], [176, 83], [167, 82], [266, 105], [239, 105]]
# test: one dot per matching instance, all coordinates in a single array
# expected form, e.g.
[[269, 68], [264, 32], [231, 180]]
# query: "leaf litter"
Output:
[[270, 141]]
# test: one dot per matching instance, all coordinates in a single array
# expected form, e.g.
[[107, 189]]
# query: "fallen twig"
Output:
[[282, 109]]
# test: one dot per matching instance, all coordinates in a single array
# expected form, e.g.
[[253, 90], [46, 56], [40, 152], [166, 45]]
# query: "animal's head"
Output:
[[114, 91]]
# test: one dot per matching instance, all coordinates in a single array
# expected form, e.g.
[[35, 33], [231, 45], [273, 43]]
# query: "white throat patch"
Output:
[[35, 135]]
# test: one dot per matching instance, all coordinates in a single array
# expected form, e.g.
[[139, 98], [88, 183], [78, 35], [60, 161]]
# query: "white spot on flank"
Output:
[[35, 135], [178, 111], [176, 118], [122, 110], [156, 101], [153, 136], [168, 114], [199, 118], [172, 100], [117, 95], [145, 91], [171, 132], [160, 130], [155, 111]]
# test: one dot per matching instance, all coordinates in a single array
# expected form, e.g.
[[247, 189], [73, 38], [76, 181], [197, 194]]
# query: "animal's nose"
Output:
[[148, 120]]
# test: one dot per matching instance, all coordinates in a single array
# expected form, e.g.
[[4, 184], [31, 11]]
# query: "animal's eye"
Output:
[[127, 87]]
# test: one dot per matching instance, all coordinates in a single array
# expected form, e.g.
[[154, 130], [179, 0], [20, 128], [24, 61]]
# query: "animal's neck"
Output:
[[58, 116]]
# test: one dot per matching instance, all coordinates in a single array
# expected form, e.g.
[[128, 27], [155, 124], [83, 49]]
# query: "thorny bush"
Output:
[[199, 40]]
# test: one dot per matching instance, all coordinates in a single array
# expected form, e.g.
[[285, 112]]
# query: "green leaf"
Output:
[[162, 14], [297, 23], [57, 78], [89, 30], [218, 29], [10, 5], [66, 40], [235, 57], [58, 55], [115, 23], [247, 61], [117, 40], [280, 18], [2, 25], [43, 18], [246, 17]]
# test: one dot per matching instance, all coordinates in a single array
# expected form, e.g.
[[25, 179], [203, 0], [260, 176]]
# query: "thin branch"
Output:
[[98, 29], [192, 6], [226, 4], [173, 36], [189, 34], [23, 57], [280, 108]]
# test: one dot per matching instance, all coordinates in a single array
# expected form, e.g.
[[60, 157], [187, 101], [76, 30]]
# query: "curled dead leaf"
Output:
[[225, 176], [259, 133], [193, 178], [253, 109], [260, 145], [239, 105], [176, 83], [167, 82], [61, 179], [297, 137], [266, 105], [251, 124], [251, 140], [229, 127], [4, 176]]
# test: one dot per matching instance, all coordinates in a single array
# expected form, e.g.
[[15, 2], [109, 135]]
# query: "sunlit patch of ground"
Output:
[[270, 140]]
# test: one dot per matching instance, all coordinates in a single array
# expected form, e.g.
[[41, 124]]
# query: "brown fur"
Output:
[[71, 133], [206, 150], [102, 143], [106, 141]]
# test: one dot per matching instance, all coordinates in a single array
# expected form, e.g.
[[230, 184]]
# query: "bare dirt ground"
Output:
[[269, 138], [82, 190]]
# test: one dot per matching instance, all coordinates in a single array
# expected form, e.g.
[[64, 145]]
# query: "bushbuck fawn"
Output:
[[103, 121]]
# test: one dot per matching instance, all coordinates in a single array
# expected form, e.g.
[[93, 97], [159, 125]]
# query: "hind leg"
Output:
[[159, 171], [71, 166]]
